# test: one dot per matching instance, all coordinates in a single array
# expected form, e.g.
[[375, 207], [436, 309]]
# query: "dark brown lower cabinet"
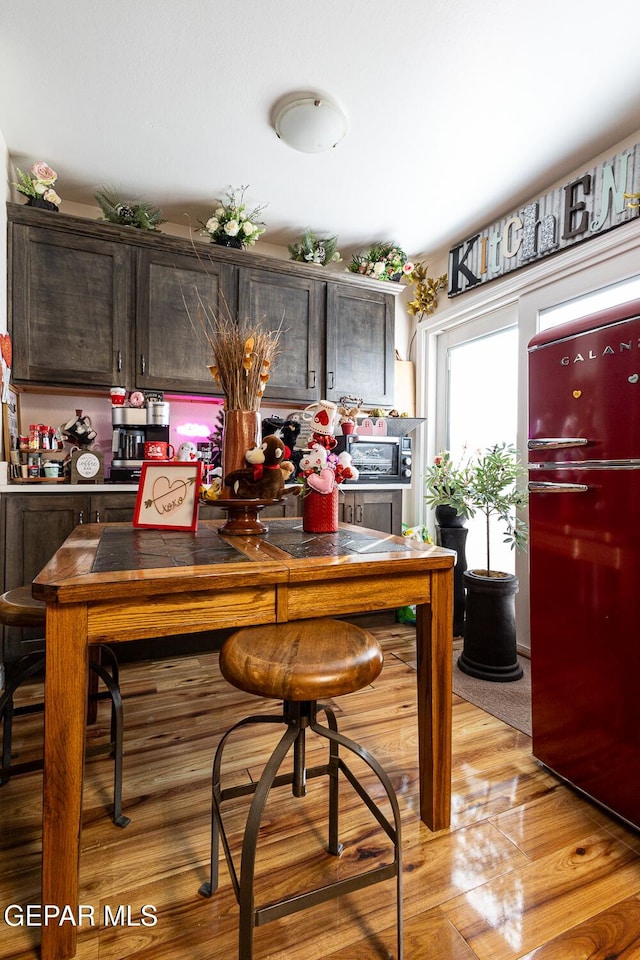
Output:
[[35, 525], [376, 509]]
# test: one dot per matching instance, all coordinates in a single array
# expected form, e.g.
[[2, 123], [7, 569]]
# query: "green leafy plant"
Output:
[[139, 213], [312, 249], [425, 291], [384, 261], [485, 483], [231, 220], [493, 492], [447, 484]]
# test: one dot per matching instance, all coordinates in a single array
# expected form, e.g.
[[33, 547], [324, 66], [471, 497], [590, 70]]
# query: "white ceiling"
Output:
[[458, 110]]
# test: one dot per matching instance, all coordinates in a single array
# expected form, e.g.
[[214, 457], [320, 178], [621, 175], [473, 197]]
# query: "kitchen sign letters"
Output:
[[584, 208]]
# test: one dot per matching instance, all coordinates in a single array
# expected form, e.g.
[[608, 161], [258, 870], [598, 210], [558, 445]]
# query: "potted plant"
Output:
[[384, 261], [37, 186], [127, 213], [447, 489], [231, 225], [489, 650], [447, 492], [312, 249]]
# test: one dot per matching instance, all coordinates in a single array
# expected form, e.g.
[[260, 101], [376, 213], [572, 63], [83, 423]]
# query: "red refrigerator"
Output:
[[584, 552]]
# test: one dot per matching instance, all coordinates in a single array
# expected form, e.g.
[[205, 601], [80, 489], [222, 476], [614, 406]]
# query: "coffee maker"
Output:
[[132, 428]]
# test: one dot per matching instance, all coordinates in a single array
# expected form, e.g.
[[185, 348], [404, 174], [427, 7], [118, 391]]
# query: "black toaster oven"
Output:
[[379, 459]]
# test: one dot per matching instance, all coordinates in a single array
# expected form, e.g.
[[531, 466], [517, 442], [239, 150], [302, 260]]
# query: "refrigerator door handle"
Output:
[[557, 443], [542, 486]]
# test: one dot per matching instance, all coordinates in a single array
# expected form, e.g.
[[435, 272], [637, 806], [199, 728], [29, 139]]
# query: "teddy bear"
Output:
[[263, 479]]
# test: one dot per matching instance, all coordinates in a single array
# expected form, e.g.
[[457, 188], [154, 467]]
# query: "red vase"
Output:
[[320, 511]]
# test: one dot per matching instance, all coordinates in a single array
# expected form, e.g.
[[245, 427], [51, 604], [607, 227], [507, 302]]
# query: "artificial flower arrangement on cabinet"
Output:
[[231, 224], [384, 261], [129, 213], [318, 250], [37, 185]]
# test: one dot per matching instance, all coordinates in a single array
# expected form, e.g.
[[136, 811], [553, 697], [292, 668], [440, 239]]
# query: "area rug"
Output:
[[510, 702]]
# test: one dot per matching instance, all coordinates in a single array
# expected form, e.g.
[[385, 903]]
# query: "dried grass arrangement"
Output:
[[242, 352]]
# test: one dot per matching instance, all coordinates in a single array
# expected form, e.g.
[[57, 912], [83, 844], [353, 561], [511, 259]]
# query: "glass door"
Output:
[[478, 406]]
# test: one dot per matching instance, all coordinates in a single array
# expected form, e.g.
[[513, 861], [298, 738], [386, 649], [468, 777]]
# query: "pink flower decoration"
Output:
[[44, 173]]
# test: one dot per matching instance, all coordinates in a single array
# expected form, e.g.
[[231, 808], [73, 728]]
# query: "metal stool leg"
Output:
[[117, 736], [22, 670], [299, 717], [26, 668], [393, 832]]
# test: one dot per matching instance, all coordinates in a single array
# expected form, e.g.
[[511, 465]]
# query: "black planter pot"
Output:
[[489, 651], [229, 242], [455, 538], [448, 517], [43, 204]]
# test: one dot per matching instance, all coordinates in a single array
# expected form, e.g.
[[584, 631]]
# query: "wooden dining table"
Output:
[[113, 583]]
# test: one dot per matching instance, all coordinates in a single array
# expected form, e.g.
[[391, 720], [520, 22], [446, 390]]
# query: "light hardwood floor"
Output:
[[527, 870]]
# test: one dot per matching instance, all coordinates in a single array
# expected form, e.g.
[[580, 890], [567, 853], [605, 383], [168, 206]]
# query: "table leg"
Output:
[[434, 640], [64, 734]]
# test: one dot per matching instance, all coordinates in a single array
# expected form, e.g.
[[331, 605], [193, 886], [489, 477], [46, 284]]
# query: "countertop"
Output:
[[62, 488]]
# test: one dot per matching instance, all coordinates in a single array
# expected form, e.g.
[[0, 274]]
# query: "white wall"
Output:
[[5, 195]]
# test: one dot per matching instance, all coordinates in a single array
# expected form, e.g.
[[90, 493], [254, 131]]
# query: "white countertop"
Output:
[[62, 488]]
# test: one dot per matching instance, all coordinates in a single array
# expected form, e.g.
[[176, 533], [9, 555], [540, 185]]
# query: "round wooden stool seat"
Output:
[[19, 609], [301, 660]]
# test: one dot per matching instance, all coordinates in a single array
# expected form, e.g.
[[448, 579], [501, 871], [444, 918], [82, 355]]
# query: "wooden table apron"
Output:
[[265, 585]]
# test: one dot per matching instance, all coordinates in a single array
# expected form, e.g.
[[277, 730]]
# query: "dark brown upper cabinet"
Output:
[[360, 344], [295, 306], [176, 294], [94, 304], [71, 308]]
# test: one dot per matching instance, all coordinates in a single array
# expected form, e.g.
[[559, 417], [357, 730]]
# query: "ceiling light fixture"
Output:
[[311, 124]]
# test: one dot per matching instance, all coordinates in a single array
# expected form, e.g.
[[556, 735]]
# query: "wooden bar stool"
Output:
[[19, 609], [298, 663]]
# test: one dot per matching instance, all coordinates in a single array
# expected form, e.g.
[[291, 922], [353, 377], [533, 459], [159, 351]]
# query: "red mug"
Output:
[[158, 450]]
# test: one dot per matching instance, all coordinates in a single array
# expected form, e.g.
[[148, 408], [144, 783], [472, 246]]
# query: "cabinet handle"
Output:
[[97, 516], [311, 379], [143, 364], [350, 509], [81, 517], [119, 362], [331, 380], [359, 513]]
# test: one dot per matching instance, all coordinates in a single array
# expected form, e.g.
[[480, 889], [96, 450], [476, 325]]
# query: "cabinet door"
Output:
[[172, 352], [375, 509], [112, 507], [35, 526], [360, 344], [71, 306], [296, 304]]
